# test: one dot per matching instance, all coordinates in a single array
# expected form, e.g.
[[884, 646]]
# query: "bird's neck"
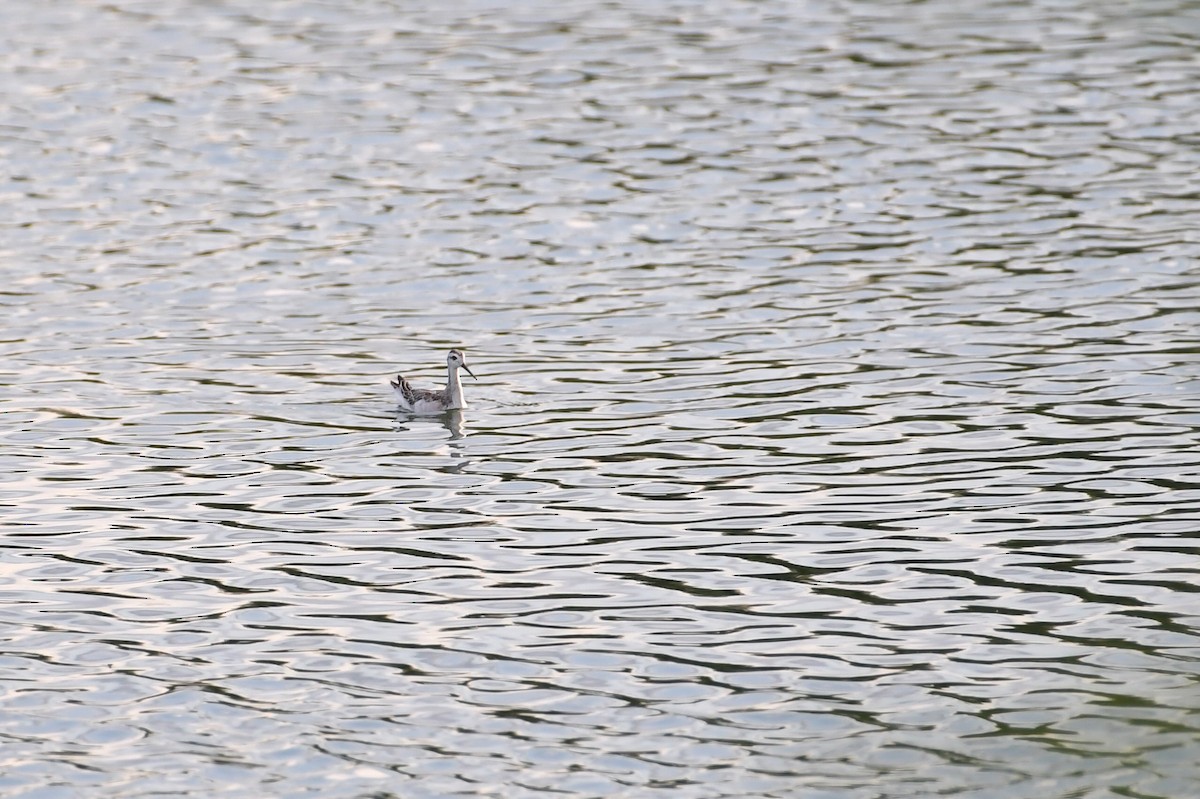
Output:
[[454, 388]]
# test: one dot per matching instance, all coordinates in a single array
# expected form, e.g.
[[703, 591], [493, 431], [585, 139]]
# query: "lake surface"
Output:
[[837, 430]]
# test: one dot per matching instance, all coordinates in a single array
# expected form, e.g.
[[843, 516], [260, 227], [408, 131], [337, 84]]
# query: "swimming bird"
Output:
[[424, 400]]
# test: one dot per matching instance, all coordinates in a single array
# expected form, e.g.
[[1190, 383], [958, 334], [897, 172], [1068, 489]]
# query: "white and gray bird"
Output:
[[424, 400]]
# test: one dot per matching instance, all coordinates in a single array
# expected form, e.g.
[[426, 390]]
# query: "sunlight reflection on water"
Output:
[[834, 435]]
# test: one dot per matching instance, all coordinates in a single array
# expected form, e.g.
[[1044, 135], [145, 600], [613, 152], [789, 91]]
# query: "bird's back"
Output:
[[417, 399]]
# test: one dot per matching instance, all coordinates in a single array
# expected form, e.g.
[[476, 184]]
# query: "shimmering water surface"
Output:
[[836, 431]]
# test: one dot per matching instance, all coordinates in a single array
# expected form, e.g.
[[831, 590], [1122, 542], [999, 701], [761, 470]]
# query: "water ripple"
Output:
[[835, 432]]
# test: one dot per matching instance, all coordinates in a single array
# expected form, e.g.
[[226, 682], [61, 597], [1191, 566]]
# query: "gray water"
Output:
[[836, 431]]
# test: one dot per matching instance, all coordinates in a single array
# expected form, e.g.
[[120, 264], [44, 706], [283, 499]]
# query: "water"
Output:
[[836, 431]]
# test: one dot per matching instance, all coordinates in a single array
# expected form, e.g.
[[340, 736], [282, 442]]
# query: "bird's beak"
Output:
[[472, 374]]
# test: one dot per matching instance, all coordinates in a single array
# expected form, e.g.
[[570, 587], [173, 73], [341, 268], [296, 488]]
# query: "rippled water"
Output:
[[836, 432]]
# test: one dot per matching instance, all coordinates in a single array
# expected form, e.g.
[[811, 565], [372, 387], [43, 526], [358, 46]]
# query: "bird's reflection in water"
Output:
[[455, 425], [454, 422]]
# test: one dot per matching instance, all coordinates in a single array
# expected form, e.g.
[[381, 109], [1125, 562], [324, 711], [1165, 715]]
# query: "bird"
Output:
[[424, 400]]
